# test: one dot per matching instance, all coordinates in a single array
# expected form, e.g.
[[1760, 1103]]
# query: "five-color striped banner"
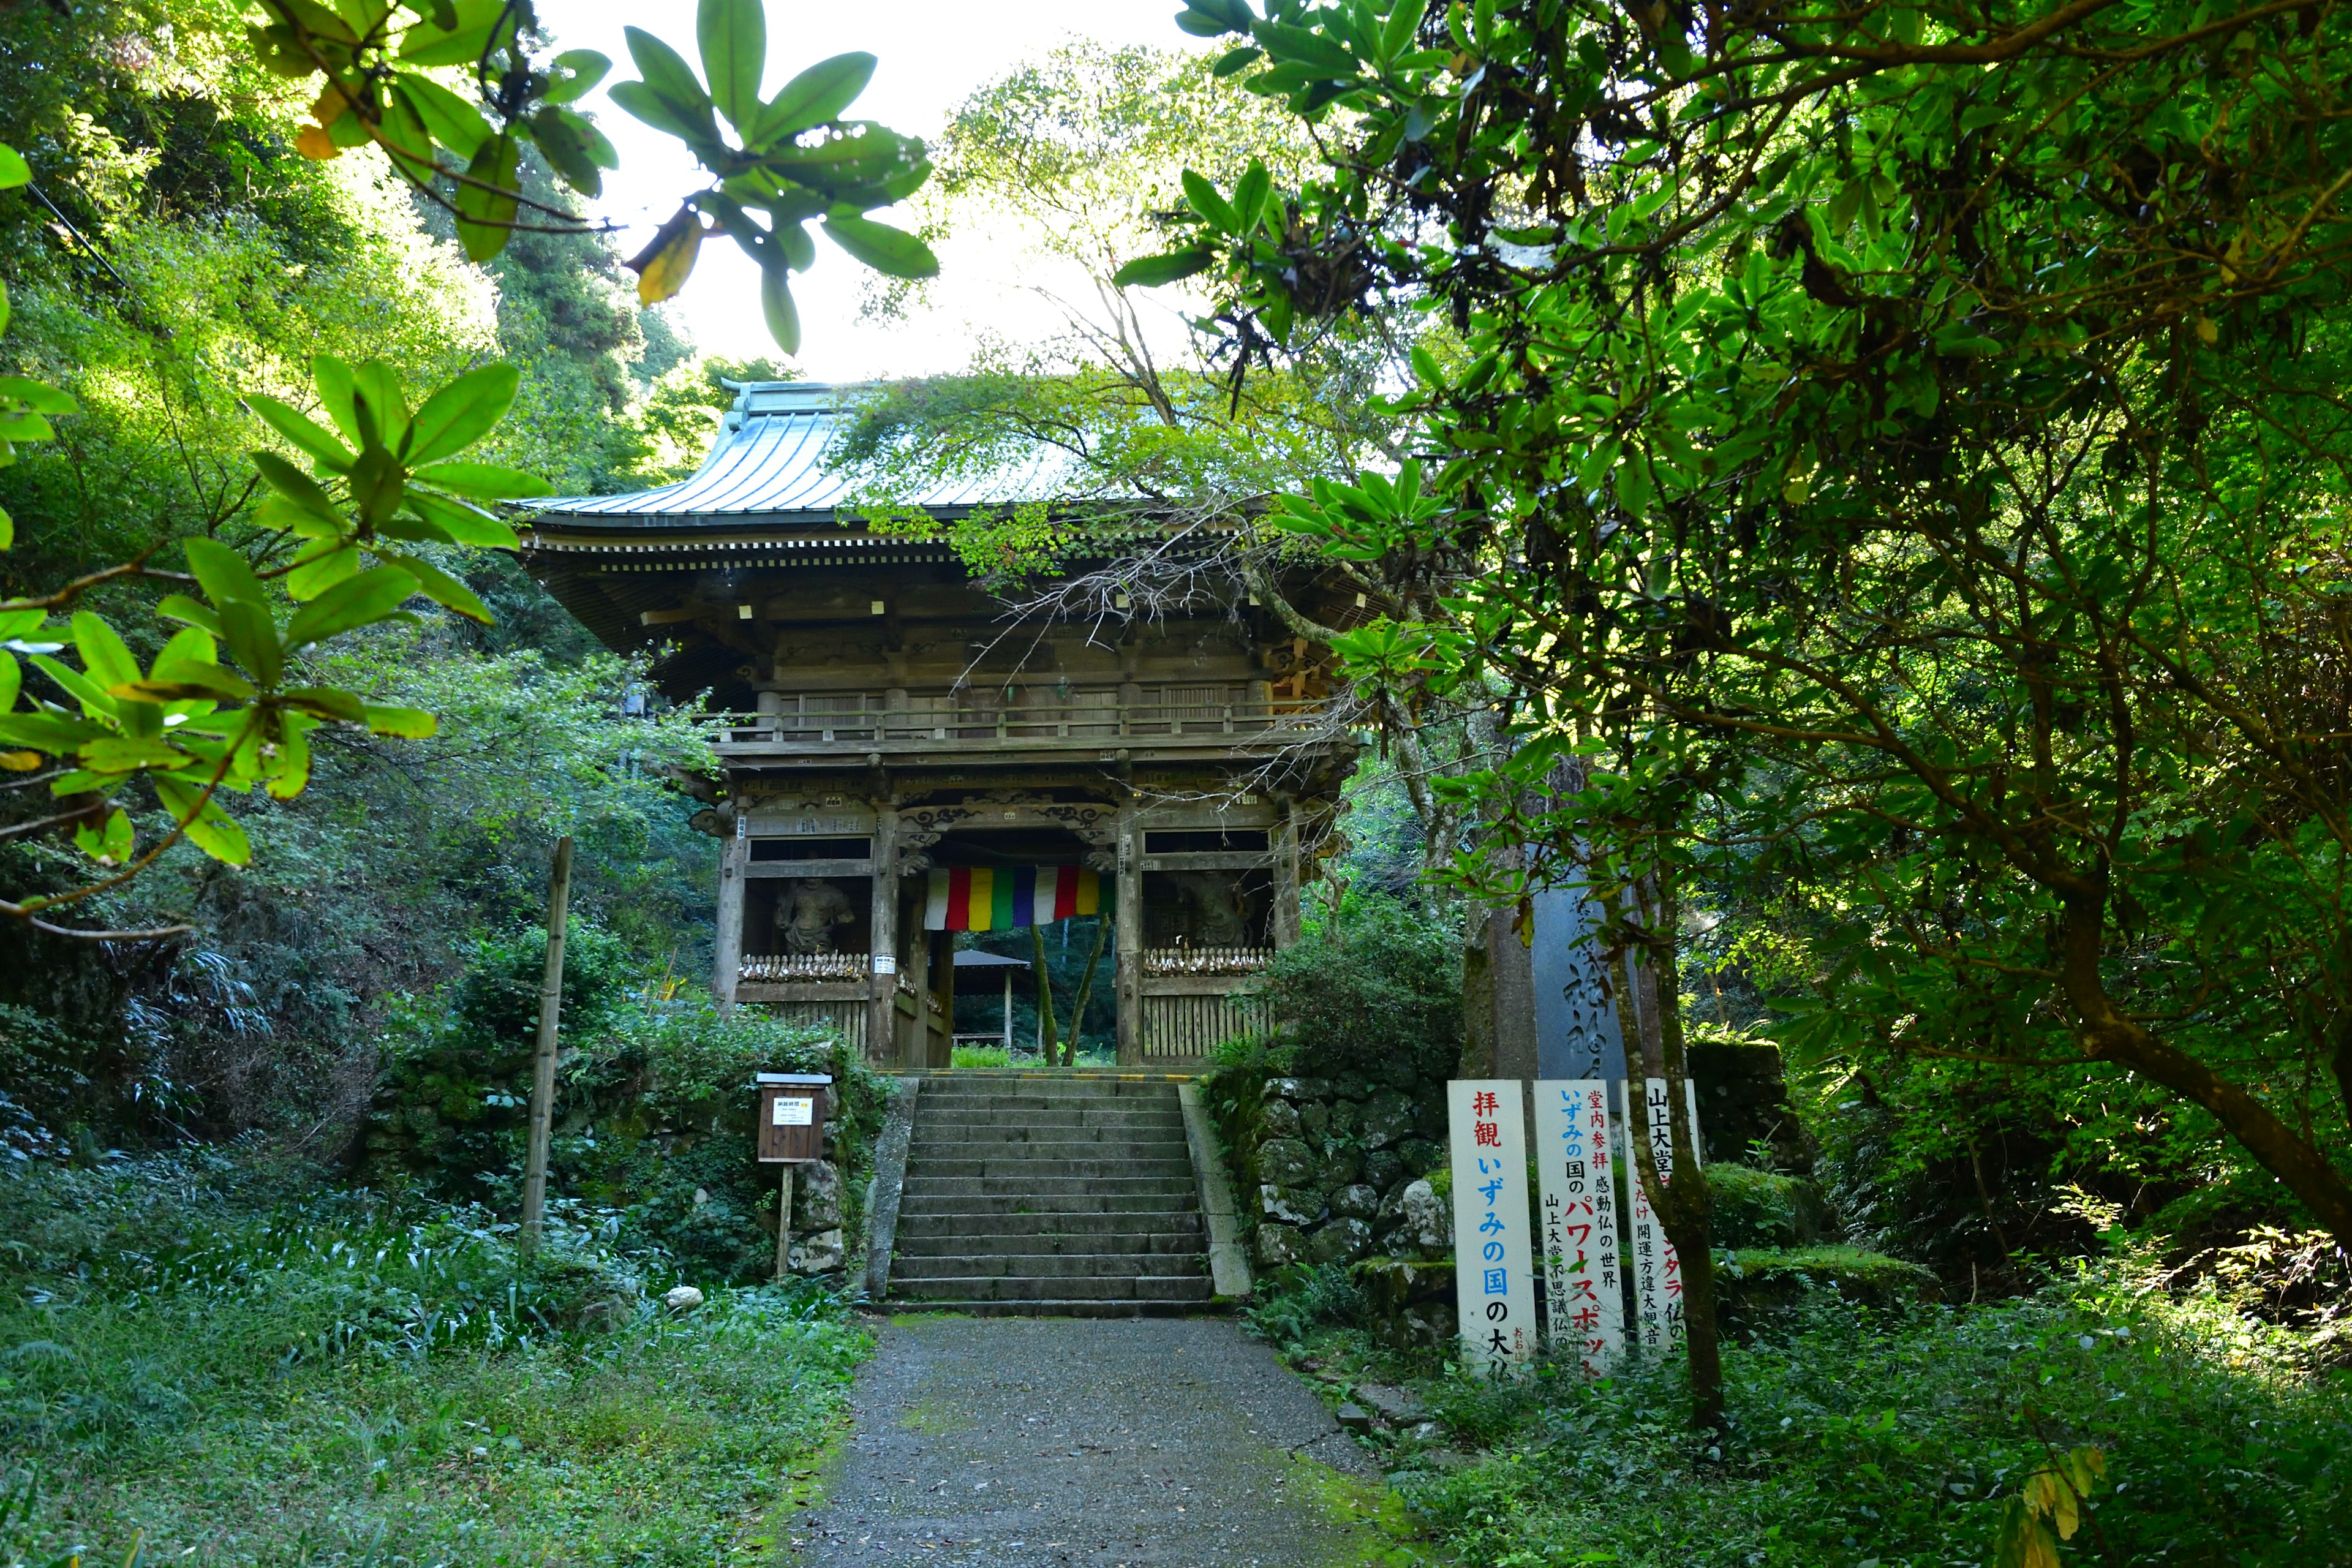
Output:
[[1000, 898]]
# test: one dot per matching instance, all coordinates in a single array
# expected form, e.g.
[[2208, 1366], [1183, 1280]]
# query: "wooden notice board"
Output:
[[791, 1116]]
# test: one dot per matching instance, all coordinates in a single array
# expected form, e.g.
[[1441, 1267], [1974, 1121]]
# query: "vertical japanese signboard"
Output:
[[1657, 1272], [1494, 1254], [1583, 1297]]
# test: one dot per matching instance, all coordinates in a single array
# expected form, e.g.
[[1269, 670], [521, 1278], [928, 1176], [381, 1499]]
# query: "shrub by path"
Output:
[[1039, 1442]]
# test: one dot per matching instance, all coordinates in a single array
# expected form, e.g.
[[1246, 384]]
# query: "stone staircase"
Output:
[[1038, 1195]]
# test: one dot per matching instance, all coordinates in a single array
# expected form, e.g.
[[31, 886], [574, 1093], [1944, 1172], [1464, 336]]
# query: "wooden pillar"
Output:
[[882, 993], [1287, 918], [1128, 988], [939, 1048], [732, 857]]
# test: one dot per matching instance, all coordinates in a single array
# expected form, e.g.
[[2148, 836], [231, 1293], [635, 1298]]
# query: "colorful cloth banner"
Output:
[[1003, 898]]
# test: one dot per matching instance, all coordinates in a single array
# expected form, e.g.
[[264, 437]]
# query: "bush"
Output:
[[654, 1105], [1373, 990]]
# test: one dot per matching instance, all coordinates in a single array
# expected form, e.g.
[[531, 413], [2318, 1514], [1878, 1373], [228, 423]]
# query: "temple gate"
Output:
[[885, 719]]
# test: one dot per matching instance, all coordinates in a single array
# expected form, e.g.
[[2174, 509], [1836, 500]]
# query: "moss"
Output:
[[1754, 1283], [1762, 1208]]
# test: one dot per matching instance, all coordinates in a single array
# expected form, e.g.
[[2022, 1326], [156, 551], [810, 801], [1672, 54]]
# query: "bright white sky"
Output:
[[934, 53]]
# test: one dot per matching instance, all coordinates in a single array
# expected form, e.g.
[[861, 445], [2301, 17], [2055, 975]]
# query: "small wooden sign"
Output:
[[791, 1116]]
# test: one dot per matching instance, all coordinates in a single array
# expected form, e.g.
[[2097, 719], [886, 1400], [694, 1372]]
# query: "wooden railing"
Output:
[[855, 719]]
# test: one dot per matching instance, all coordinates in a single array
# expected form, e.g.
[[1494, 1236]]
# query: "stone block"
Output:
[[1341, 1241], [1345, 1115], [816, 1196], [1315, 1119], [1387, 1120], [1300, 1090], [1277, 1118], [1287, 1207], [1410, 1305], [1339, 1168], [823, 1253], [1424, 1226], [1383, 1170], [1354, 1418], [1355, 1201], [1397, 1406], [1277, 1247], [1422, 1155], [1286, 1162]]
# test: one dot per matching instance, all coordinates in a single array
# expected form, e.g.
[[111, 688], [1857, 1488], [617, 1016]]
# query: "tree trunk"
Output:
[[1684, 1205], [1048, 1043], [1086, 987], [2106, 1035]]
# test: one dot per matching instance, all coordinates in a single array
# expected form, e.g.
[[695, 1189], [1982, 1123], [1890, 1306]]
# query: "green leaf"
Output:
[[322, 566], [1204, 200], [223, 574], [1155, 271], [1239, 59], [816, 97], [130, 755], [329, 453], [669, 79], [574, 75], [776, 304], [355, 602], [12, 680], [733, 38], [111, 845], [297, 487], [36, 395], [890, 251], [1404, 25], [207, 826], [105, 658], [462, 524], [95, 702], [487, 481], [14, 170], [408, 723], [1250, 194], [7, 530], [439, 587], [252, 638], [338, 389], [461, 412], [448, 119], [180, 607], [485, 209], [328, 701]]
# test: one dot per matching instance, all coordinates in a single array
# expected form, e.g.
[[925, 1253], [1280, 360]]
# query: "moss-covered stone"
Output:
[[1764, 1209]]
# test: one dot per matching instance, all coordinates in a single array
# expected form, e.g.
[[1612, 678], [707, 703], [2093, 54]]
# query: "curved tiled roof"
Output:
[[769, 459]]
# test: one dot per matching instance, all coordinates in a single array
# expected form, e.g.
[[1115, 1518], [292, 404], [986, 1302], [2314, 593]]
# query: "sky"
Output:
[[934, 54]]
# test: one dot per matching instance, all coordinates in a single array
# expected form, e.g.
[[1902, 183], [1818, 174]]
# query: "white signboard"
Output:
[[1493, 1255], [794, 1112], [1584, 1296], [1657, 1272]]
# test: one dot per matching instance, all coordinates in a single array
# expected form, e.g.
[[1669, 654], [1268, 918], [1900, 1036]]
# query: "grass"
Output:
[[998, 1056], [295, 1375], [1865, 1438]]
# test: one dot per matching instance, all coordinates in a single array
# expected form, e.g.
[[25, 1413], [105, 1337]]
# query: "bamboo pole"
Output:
[[784, 1226], [542, 1072]]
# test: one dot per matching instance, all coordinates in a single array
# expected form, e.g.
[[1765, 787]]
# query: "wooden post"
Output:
[[1127, 992], [542, 1071], [1287, 918], [728, 955], [1008, 1015], [784, 1226], [882, 993]]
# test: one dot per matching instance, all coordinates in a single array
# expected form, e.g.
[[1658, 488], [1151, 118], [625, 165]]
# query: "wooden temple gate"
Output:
[[886, 721]]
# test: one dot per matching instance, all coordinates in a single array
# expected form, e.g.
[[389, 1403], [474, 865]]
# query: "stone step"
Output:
[[1132, 1243], [1040, 1151], [1068, 1123], [1041, 1173], [963, 1195], [1154, 1097], [1192, 1286], [927, 1184], [1047, 1266], [941, 1222], [1054, 1309]]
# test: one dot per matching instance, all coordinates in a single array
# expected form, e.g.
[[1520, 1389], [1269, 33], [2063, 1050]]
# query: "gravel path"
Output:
[[1011, 1442]]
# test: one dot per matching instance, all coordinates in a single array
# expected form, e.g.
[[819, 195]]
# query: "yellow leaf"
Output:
[[2041, 1548], [312, 142], [2208, 332], [2067, 1514], [20, 761], [330, 105], [662, 266]]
